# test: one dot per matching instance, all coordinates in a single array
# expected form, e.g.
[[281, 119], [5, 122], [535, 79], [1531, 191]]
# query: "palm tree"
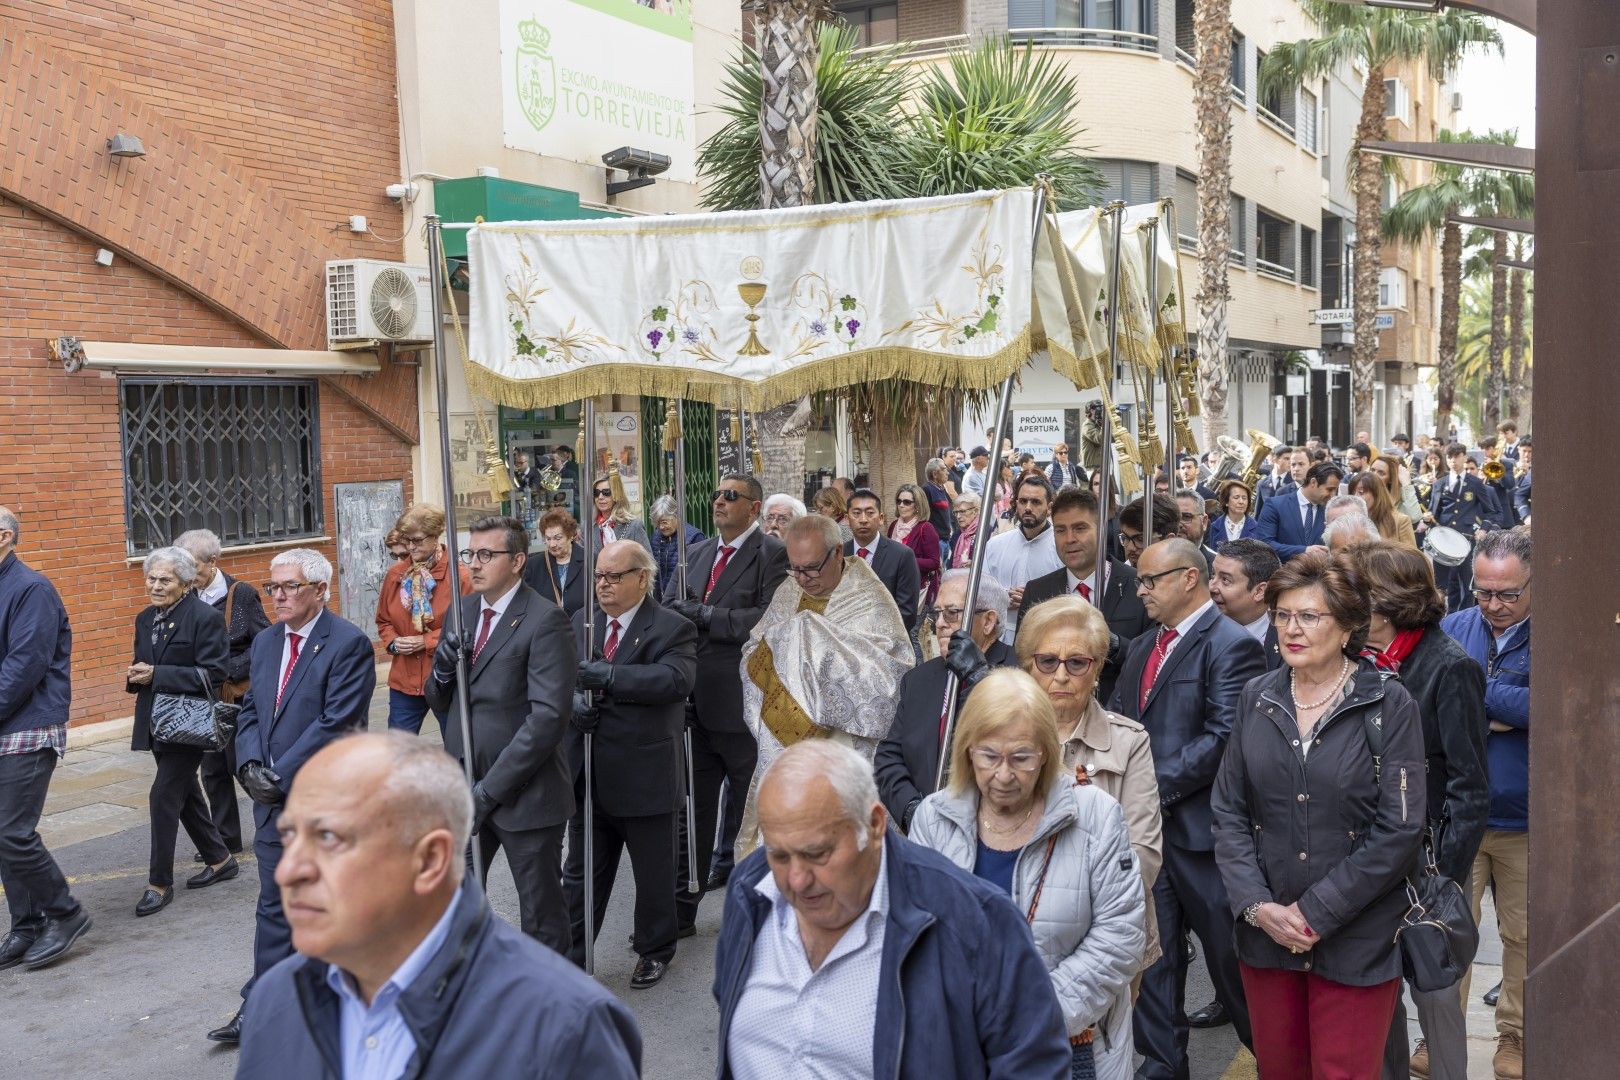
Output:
[[1417, 215], [1212, 121], [1518, 340], [1372, 38], [1507, 195], [788, 53], [1474, 348]]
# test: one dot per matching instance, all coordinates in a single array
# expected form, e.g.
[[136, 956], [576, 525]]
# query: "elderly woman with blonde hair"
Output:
[[1014, 816], [1063, 643]]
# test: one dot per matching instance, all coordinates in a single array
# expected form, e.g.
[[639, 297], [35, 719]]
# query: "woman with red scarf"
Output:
[[411, 610], [1404, 637], [910, 527]]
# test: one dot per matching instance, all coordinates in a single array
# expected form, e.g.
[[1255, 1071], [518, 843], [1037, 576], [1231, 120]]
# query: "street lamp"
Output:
[[1521, 13]]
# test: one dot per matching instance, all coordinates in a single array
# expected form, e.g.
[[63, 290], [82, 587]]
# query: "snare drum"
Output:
[[1447, 547]]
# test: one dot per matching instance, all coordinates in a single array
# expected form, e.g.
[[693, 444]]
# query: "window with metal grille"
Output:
[[875, 23], [240, 457], [1237, 218], [1187, 208], [1133, 181], [1307, 255], [1306, 127], [1274, 248], [1333, 261]]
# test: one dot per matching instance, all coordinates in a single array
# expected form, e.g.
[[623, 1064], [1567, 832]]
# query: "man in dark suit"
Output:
[[310, 680], [1458, 501], [643, 667], [1187, 476], [1074, 531], [520, 678], [1182, 683], [730, 579], [908, 757], [893, 563], [1277, 482], [1237, 583], [1291, 525], [1192, 521]]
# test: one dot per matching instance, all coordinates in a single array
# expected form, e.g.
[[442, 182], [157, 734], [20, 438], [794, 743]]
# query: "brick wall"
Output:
[[266, 125]]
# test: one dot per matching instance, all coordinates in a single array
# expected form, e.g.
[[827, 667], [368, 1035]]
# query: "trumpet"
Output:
[[1492, 471]]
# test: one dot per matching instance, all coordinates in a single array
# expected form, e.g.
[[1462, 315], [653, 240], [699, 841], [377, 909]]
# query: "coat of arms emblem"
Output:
[[536, 74]]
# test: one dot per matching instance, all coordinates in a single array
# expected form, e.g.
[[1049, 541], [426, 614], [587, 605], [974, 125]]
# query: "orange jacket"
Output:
[[408, 672]]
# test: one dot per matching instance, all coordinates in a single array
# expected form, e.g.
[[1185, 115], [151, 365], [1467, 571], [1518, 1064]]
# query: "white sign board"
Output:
[[582, 77], [1037, 432], [1333, 316], [1294, 385], [1383, 322]]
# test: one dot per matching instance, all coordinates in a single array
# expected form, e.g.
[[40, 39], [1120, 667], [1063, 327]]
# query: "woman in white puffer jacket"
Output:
[[1012, 815]]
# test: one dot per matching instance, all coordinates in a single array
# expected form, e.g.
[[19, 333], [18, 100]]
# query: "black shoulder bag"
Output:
[[1437, 935]]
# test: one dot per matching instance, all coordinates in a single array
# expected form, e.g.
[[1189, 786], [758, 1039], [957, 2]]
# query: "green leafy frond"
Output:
[[1376, 37]]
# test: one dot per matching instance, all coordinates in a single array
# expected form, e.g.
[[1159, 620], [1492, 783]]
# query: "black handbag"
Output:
[[1437, 936], [204, 723]]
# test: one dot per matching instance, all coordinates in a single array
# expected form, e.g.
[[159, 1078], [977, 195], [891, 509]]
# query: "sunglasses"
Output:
[[603, 493], [728, 494], [1076, 666], [905, 502]]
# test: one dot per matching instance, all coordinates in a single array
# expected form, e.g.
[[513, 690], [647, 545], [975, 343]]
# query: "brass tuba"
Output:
[[1492, 471], [1262, 445], [1232, 454]]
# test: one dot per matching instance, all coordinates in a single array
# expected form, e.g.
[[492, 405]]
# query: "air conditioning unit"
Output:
[[368, 300]]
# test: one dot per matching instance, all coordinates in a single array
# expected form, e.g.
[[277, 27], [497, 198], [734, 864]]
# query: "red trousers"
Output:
[[1310, 1028]]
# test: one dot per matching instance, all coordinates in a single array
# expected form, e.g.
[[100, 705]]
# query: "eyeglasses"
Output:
[[605, 577], [1506, 596], [1077, 666], [482, 555], [1307, 620], [960, 510], [778, 519], [603, 493], [1024, 761], [291, 588], [417, 539], [1149, 582], [905, 502], [946, 616], [1134, 539], [811, 571], [728, 494], [400, 554]]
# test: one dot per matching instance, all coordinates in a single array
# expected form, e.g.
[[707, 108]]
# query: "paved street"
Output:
[[138, 996]]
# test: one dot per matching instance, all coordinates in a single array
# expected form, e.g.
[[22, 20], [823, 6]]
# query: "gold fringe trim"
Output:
[[828, 373]]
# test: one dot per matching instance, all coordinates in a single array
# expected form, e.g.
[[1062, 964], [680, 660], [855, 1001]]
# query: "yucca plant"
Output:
[[995, 116], [858, 113]]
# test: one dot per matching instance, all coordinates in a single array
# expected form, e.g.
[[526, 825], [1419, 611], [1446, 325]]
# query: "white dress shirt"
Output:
[[605, 626], [303, 633], [1260, 627], [792, 1023], [871, 549], [1014, 560], [214, 592], [1090, 581], [376, 1043], [1183, 628]]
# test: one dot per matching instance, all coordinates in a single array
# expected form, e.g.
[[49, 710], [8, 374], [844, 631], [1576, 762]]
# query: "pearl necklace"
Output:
[[1300, 706]]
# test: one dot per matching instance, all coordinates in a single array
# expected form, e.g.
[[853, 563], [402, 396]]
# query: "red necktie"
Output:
[[863, 552], [483, 631], [1084, 590], [719, 568], [292, 661], [612, 645], [1161, 649]]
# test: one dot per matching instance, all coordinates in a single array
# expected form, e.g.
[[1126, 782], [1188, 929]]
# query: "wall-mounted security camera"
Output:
[[640, 165]]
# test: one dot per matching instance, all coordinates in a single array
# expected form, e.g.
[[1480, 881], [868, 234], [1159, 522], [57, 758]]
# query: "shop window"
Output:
[[240, 457]]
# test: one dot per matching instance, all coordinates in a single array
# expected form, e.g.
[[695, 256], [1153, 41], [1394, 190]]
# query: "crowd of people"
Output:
[[958, 835]]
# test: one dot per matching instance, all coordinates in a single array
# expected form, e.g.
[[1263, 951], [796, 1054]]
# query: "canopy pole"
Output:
[[693, 886], [1115, 210], [587, 417], [435, 243], [1172, 386], [986, 527], [1151, 227]]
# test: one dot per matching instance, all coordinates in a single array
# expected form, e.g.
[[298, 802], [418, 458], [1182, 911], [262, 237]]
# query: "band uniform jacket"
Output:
[[1464, 509], [328, 694], [639, 769], [520, 691], [908, 757], [739, 598], [1189, 715], [1121, 608], [540, 573], [189, 643], [896, 566]]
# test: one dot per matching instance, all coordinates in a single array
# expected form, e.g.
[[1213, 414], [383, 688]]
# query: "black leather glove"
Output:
[[966, 659], [444, 656], [484, 804], [586, 716], [596, 675], [1116, 648], [262, 784], [695, 610]]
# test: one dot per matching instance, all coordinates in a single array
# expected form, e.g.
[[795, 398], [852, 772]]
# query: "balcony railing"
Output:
[[1085, 37], [1275, 121], [1239, 95], [922, 47], [1287, 273]]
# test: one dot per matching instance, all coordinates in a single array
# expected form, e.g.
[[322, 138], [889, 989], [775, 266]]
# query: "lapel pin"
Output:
[[317, 648]]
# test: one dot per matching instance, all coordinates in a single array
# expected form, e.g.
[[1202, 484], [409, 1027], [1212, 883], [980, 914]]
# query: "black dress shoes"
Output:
[[1210, 1016], [680, 932], [12, 950], [717, 880], [210, 876], [152, 902], [1492, 995], [1188, 951], [230, 1033], [57, 938], [648, 973]]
